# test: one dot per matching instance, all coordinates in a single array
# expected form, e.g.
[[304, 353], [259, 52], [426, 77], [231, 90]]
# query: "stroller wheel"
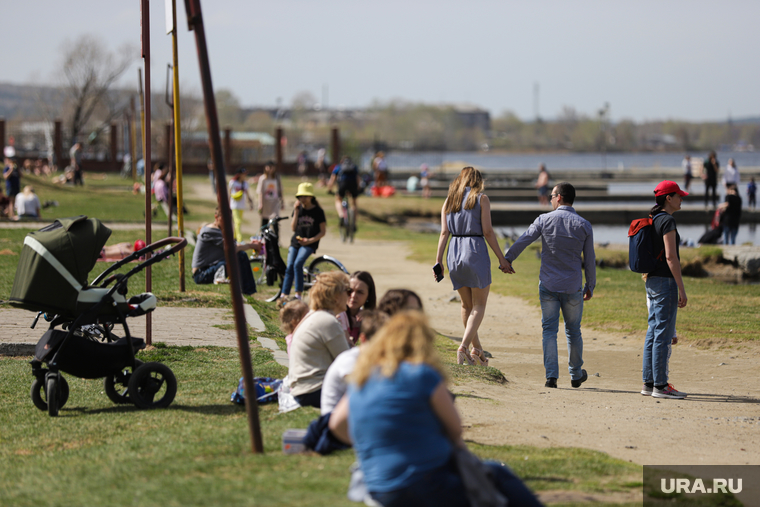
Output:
[[39, 393], [152, 385], [52, 395], [117, 385]]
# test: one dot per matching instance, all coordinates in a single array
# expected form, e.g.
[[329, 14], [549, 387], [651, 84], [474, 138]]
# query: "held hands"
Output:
[[506, 267]]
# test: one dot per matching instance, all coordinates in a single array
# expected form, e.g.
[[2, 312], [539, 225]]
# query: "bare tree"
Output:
[[90, 70]]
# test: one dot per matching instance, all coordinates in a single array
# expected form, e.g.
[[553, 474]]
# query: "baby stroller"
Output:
[[51, 279]]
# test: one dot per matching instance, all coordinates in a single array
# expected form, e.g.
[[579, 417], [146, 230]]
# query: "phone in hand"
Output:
[[438, 270]]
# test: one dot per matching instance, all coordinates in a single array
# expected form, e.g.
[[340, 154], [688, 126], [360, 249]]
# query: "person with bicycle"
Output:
[[347, 175], [309, 226]]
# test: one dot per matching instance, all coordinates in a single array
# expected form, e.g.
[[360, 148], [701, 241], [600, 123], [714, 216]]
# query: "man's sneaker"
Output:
[[647, 390], [668, 392], [577, 383], [551, 382]]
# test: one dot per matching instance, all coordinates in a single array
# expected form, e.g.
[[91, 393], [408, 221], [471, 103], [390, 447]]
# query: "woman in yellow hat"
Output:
[[308, 225]]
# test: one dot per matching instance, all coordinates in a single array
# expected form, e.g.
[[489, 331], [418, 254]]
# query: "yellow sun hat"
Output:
[[305, 189]]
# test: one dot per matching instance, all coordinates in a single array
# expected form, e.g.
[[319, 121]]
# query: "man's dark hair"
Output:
[[567, 191]]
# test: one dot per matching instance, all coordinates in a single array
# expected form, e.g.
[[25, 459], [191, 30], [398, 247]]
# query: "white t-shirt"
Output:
[[27, 205], [334, 385], [269, 196], [236, 186]]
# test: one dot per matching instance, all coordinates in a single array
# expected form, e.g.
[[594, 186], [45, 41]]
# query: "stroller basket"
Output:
[[85, 357]]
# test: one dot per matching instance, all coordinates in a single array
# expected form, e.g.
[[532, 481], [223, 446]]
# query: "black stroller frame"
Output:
[[86, 347]]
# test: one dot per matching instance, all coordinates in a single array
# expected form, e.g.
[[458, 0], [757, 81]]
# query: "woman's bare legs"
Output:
[[473, 309]]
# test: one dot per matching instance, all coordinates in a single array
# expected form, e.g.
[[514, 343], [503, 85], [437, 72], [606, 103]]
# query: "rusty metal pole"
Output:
[[170, 167], [132, 139], [335, 146], [147, 157], [57, 145], [195, 23], [278, 149]]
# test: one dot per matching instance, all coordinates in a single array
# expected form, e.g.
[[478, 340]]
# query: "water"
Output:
[[618, 234], [555, 161]]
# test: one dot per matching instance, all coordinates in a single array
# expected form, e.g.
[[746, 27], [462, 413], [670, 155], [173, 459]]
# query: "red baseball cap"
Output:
[[139, 245], [668, 187]]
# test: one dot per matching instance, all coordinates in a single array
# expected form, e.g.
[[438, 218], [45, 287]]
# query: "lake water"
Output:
[[574, 161], [748, 233]]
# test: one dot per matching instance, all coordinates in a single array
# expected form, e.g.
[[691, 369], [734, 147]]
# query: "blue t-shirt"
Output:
[[397, 436]]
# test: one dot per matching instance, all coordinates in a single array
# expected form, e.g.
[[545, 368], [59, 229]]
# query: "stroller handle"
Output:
[[179, 244]]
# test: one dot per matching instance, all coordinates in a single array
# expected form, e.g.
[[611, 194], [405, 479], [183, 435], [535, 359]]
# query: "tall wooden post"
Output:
[[58, 146], [335, 146], [278, 149], [195, 22]]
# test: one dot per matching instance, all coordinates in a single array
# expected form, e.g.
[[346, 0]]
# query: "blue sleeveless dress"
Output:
[[467, 259]]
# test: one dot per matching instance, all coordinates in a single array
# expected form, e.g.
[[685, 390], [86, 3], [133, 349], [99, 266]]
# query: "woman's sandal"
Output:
[[479, 357], [463, 357]]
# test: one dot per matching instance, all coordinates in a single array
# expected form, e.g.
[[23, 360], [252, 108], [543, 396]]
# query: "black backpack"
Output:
[[641, 255]]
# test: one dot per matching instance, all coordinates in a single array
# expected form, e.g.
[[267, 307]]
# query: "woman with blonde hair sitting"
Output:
[[403, 424], [319, 338], [466, 217]]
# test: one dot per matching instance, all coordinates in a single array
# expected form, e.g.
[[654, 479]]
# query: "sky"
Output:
[[690, 60]]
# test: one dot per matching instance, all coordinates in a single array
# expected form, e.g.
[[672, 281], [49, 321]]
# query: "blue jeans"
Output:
[[729, 235], [247, 282], [443, 486], [662, 293], [296, 259], [571, 305]]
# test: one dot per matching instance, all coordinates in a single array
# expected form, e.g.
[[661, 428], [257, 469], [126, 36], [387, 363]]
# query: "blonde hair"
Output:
[[326, 290], [468, 177], [291, 314], [405, 337]]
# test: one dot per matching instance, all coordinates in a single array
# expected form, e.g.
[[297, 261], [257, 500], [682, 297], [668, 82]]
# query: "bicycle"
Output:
[[271, 268], [347, 222]]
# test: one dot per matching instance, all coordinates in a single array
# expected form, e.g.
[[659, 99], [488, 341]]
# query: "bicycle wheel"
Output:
[[351, 224], [343, 230], [324, 265]]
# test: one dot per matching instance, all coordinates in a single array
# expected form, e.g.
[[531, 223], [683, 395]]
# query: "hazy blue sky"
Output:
[[694, 60]]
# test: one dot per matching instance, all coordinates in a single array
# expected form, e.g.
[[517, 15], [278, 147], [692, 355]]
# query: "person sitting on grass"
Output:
[[318, 339], [362, 296], [290, 316], [208, 256], [335, 385], [120, 250]]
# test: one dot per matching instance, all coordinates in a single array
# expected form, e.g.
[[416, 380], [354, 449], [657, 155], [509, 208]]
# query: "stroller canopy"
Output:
[[55, 262]]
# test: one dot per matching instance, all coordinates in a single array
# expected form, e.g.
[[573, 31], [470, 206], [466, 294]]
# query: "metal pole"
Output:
[[132, 139], [146, 156], [195, 22], [335, 146], [170, 167], [178, 147]]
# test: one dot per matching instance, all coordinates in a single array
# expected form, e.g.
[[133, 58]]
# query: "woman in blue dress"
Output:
[[466, 217]]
